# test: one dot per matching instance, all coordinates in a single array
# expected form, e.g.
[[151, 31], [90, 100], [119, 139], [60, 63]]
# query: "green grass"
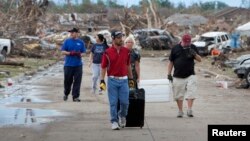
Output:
[[30, 64]]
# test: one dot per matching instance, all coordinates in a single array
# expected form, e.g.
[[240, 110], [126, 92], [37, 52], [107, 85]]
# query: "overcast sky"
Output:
[[232, 3]]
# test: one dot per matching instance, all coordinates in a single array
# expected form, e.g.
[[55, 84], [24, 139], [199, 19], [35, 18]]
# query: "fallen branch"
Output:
[[12, 63]]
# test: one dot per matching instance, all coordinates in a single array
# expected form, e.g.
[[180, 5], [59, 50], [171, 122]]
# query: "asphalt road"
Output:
[[89, 119]]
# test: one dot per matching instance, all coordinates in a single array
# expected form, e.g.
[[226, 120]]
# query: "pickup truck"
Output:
[[242, 67], [5, 47], [209, 40]]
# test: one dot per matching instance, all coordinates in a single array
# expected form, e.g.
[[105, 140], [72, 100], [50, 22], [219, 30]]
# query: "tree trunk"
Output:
[[12, 63]]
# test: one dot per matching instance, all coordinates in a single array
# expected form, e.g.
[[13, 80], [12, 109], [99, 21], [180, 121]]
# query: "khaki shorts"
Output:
[[184, 88]]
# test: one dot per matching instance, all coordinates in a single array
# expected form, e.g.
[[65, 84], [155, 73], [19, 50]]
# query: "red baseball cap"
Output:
[[186, 38]]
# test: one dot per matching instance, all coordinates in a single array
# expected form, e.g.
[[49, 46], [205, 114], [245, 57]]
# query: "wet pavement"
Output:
[[25, 116], [89, 120], [27, 89]]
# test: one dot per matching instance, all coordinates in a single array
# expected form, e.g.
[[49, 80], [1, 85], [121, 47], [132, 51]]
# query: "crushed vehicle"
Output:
[[89, 40], [241, 67], [209, 40], [107, 36], [156, 39], [92, 39], [232, 63], [5, 48]]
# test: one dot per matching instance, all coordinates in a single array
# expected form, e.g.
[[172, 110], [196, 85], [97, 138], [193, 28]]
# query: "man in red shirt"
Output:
[[116, 62]]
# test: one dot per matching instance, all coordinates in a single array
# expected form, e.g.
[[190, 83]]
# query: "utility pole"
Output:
[[215, 6], [242, 3], [68, 2], [69, 5], [108, 3]]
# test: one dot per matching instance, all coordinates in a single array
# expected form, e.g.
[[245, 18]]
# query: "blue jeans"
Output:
[[96, 69], [118, 90]]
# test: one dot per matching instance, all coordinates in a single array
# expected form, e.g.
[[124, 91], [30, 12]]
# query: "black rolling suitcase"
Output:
[[136, 110]]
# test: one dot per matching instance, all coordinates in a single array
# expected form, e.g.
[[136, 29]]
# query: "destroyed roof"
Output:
[[149, 29], [244, 27], [229, 12], [186, 19]]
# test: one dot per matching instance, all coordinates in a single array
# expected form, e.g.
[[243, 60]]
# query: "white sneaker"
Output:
[[180, 114], [190, 113], [115, 126], [122, 122], [100, 92]]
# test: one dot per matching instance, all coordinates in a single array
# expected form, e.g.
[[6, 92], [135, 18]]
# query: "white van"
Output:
[[209, 40]]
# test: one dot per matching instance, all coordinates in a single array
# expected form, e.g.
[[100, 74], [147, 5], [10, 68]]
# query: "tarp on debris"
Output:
[[186, 19], [244, 29]]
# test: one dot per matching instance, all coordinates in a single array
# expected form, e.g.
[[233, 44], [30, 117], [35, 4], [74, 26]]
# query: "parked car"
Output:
[[232, 63], [89, 40], [5, 48], [209, 40], [155, 39], [107, 36], [242, 67]]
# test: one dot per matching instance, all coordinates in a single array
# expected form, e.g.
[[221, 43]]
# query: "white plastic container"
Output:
[[9, 82], [222, 84]]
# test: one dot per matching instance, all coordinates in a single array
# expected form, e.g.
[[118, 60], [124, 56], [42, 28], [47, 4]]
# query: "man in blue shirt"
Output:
[[73, 49]]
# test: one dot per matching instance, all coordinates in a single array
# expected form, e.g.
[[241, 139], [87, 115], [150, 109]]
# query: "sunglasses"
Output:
[[119, 37], [129, 42], [117, 33]]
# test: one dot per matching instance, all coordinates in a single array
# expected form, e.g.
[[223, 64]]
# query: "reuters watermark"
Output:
[[238, 132]]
